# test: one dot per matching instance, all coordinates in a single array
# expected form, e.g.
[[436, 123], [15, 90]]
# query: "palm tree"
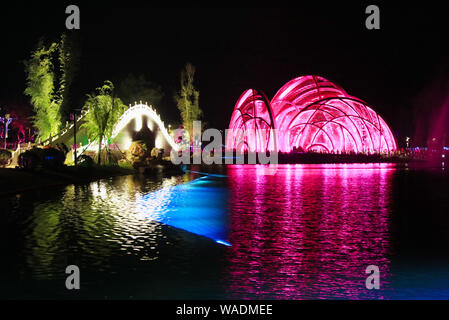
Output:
[[101, 113]]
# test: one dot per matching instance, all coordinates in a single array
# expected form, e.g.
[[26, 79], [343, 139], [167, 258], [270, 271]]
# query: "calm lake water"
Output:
[[249, 232]]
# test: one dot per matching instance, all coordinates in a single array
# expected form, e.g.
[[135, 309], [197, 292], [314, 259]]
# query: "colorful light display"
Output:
[[136, 113], [252, 123], [308, 113], [178, 206], [288, 245]]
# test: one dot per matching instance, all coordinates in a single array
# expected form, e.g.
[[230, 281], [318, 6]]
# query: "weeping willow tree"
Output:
[[49, 73], [187, 99], [103, 111]]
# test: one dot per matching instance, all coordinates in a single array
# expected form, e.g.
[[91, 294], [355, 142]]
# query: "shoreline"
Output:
[[16, 181]]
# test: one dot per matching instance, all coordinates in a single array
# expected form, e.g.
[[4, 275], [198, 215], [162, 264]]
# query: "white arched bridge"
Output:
[[137, 114], [139, 122]]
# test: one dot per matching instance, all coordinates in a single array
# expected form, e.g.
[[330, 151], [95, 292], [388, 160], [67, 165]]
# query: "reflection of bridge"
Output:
[[127, 128]]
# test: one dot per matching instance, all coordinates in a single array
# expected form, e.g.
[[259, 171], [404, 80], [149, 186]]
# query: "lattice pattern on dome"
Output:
[[309, 113]]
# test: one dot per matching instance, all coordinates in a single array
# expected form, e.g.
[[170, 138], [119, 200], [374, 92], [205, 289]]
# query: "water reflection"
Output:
[[199, 206], [308, 231], [87, 224]]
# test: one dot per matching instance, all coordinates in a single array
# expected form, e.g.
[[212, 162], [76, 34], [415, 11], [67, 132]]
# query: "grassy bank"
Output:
[[14, 181]]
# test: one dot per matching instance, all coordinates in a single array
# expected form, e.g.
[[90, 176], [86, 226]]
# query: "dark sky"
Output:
[[243, 45]]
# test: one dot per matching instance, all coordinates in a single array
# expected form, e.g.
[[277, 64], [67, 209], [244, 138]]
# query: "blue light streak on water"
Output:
[[199, 206]]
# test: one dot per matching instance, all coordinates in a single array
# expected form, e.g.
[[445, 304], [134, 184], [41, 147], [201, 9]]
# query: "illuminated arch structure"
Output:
[[145, 117], [309, 113], [253, 122], [137, 119]]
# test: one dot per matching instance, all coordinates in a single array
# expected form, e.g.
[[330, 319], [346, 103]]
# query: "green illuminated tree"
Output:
[[40, 87], [103, 111], [188, 99], [49, 73], [68, 59]]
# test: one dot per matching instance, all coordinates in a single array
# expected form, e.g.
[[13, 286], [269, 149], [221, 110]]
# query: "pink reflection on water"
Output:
[[309, 231]]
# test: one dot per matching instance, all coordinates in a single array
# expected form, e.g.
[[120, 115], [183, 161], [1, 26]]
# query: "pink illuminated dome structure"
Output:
[[308, 114], [252, 124]]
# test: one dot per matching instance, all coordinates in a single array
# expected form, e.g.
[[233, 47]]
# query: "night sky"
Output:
[[236, 46]]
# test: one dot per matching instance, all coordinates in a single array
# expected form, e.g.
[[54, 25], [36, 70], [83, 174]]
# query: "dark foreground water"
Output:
[[286, 232]]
